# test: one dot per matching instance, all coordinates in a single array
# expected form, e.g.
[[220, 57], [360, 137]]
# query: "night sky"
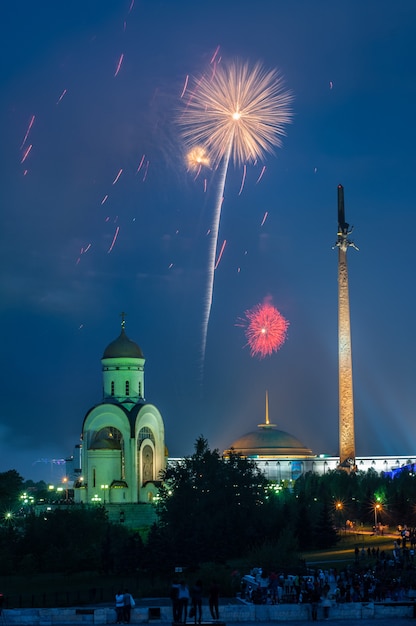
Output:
[[98, 85]]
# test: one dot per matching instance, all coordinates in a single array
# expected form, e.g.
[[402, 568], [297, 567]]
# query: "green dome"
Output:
[[267, 440], [123, 347]]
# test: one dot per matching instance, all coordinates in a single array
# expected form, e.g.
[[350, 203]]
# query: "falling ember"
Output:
[[140, 164], [104, 199], [146, 169], [261, 174], [215, 54], [243, 179], [61, 96], [119, 64], [185, 86], [266, 329], [264, 218], [220, 254], [32, 119], [26, 154], [114, 239], [118, 176]]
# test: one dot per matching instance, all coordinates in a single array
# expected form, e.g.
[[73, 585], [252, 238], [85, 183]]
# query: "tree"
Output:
[[10, 488], [210, 508]]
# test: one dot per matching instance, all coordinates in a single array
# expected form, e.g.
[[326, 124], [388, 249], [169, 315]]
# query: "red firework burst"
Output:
[[266, 329]]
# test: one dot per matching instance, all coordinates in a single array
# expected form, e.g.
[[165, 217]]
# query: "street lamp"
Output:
[[338, 508], [377, 507], [65, 481], [104, 487]]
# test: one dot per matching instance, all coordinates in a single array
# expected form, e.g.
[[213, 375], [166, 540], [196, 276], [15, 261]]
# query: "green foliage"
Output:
[[10, 488], [210, 508], [279, 555]]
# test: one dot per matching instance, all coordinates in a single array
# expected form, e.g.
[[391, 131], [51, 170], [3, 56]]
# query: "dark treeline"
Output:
[[210, 509]]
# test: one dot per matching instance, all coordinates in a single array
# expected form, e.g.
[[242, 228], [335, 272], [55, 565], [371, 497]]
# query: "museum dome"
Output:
[[268, 441], [123, 347]]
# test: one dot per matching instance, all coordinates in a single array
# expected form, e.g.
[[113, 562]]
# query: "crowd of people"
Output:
[[366, 583]]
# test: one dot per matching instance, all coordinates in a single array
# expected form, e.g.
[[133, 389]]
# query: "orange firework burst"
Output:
[[266, 329], [196, 158]]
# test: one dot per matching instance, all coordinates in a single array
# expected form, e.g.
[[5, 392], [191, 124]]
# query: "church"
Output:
[[123, 439]]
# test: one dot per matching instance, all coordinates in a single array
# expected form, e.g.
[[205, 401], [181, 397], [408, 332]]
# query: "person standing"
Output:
[[183, 599], [174, 593], [119, 607], [196, 596], [214, 594], [129, 603]]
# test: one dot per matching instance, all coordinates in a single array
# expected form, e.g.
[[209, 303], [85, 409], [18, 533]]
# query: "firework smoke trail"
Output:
[[236, 113]]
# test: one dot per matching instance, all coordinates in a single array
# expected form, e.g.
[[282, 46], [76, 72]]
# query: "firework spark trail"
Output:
[[26, 153], [119, 64], [243, 180], [118, 176], [236, 113], [264, 218], [185, 86], [32, 119], [104, 199], [140, 164], [220, 254], [146, 169], [261, 174], [61, 96], [215, 54], [114, 239]]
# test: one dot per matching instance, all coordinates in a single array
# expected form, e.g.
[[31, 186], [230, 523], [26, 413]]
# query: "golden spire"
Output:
[[267, 408], [266, 423]]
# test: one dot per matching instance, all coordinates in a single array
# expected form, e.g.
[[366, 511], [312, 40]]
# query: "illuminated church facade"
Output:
[[123, 438]]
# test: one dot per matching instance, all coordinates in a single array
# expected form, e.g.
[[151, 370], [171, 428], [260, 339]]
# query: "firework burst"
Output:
[[236, 113], [196, 158], [238, 110], [266, 329]]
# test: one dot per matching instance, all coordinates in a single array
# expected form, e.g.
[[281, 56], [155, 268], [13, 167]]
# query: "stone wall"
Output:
[[230, 613]]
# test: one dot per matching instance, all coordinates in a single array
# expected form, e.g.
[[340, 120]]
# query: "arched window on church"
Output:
[[145, 433], [127, 388], [147, 464], [112, 387], [93, 477]]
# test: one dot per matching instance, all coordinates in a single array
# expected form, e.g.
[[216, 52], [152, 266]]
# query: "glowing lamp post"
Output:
[[104, 487], [377, 507], [65, 481], [339, 507]]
